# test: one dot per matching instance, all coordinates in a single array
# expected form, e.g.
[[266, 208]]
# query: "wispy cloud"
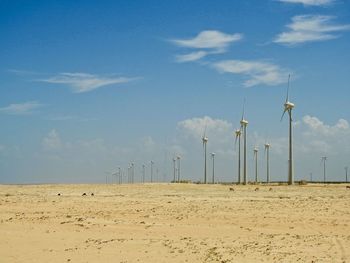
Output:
[[83, 82], [309, 2], [310, 28], [257, 72], [191, 56], [206, 42], [25, 108]]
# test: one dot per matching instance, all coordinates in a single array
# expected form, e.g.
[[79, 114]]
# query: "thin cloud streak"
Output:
[[206, 42], [310, 2], [310, 28], [258, 73], [25, 108], [83, 82]]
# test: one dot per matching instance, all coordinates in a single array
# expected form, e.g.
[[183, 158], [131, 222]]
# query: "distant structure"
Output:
[[310, 177], [238, 134], [324, 160], [205, 140], [143, 173], [288, 107], [346, 174], [256, 163], [267, 152], [174, 163], [244, 124], [213, 158], [152, 171], [178, 168]]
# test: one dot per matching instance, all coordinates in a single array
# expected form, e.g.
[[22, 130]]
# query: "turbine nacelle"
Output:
[[238, 132], [205, 139], [288, 105], [244, 122]]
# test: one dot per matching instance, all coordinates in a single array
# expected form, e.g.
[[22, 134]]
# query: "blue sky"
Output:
[[87, 86]]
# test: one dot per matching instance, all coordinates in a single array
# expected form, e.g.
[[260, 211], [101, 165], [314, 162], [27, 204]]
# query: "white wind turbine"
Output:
[[238, 134], [174, 163], [267, 152], [323, 160], [205, 140], [288, 107], [256, 163], [213, 158], [244, 124], [178, 168]]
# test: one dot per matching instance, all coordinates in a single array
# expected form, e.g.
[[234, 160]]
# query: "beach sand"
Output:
[[174, 223]]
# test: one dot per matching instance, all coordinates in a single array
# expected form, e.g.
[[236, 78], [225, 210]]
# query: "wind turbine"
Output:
[[244, 124], [174, 163], [323, 160], [205, 140], [256, 163], [213, 157], [346, 173], [178, 168], [143, 173], [152, 171], [238, 134], [288, 107], [267, 152]]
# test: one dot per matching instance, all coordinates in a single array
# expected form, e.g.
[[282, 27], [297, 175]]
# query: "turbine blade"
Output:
[[236, 141], [284, 112], [243, 109], [287, 98]]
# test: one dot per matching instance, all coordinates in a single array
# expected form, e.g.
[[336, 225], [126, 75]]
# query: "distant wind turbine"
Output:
[[288, 107], [174, 163], [238, 134], [244, 124], [323, 160], [152, 171], [213, 158], [256, 163], [267, 152], [143, 173], [205, 140], [346, 174], [178, 168]]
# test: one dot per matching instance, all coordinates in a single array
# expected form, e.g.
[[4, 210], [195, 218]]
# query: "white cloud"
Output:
[[310, 28], [257, 72], [83, 82], [191, 56], [206, 42], [52, 141], [317, 127], [25, 108], [309, 2], [195, 127]]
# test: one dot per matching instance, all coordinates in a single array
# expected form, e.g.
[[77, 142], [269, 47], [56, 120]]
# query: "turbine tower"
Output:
[[288, 107], [256, 163], [244, 124], [205, 140], [152, 171], [346, 173], [213, 157], [178, 168], [323, 160], [174, 162], [267, 152], [238, 134], [143, 173]]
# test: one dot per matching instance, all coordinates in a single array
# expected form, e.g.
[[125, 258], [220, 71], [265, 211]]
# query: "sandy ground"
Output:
[[174, 223]]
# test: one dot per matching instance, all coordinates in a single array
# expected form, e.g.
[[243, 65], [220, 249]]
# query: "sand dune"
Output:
[[174, 223]]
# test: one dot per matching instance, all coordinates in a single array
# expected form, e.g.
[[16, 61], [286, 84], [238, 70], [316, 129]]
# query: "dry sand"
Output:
[[174, 223]]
